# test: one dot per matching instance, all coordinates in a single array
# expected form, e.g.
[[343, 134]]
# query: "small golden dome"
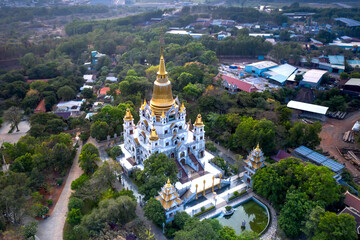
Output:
[[182, 108], [257, 149], [128, 116], [198, 121], [152, 114], [163, 115], [153, 135]]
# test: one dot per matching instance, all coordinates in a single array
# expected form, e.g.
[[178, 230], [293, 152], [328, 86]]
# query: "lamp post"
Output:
[[215, 198]]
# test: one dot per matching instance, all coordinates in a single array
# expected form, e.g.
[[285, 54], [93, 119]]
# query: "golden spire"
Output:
[[168, 184], [257, 149], [128, 116], [163, 114], [153, 135], [162, 98], [152, 114], [182, 108], [144, 102], [162, 74], [198, 121]]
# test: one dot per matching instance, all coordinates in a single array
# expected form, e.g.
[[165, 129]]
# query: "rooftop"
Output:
[[313, 75], [263, 64], [352, 201], [353, 82], [243, 86], [307, 107], [337, 60], [349, 22]]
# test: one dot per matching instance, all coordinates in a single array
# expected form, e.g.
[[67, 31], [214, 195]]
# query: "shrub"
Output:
[[204, 211], [210, 146], [228, 208], [59, 181], [39, 210], [79, 182], [75, 203], [74, 217], [49, 202], [237, 195], [84, 136]]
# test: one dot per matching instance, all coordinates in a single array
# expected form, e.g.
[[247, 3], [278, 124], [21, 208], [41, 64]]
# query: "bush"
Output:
[[75, 203], [210, 146], [203, 210], [50, 202], [84, 136], [39, 210], [59, 181], [74, 217], [79, 182], [237, 194], [228, 208], [114, 152]]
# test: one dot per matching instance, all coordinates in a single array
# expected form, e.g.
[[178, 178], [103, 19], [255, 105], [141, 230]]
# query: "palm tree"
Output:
[[87, 162]]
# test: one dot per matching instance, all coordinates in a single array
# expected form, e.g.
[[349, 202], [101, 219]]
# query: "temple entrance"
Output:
[[172, 155], [201, 154], [188, 150]]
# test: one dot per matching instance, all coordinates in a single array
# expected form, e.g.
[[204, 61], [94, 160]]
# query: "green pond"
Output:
[[254, 214]]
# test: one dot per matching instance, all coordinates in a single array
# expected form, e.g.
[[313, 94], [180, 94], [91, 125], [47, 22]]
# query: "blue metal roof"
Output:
[[279, 78], [349, 22], [317, 157], [337, 60], [302, 150], [334, 166]]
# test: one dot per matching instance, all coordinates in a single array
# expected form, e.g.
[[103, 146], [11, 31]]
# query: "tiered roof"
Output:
[[255, 160], [168, 197]]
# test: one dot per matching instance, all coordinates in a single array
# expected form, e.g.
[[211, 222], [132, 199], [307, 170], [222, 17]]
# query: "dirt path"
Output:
[[52, 228], [331, 137]]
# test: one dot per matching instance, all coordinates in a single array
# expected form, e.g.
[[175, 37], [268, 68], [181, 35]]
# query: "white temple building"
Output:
[[254, 161]]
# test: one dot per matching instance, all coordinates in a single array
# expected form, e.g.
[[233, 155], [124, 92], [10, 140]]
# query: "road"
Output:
[[331, 137], [52, 228], [24, 126]]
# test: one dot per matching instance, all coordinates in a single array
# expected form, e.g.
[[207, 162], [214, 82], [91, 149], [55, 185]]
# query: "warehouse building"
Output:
[[312, 78], [308, 110], [352, 86], [280, 74], [259, 67]]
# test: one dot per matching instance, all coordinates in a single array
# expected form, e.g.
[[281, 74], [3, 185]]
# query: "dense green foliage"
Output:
[[296, 189]]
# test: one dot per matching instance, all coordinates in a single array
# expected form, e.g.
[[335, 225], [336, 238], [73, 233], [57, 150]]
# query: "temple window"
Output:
[[194, 147], [180, 127], [131, 131], [166, 131], [194, 138], [171, 117], [201, 138], [167, 144]]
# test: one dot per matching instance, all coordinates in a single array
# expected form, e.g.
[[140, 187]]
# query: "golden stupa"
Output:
[[162, 98]]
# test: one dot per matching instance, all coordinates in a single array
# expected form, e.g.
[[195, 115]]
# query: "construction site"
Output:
[[339, 142]]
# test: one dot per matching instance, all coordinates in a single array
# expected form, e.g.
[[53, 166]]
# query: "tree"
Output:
[[294, 212], [30, 230], [75, 203], [192, 91], [200, 230], [227, 233], [299, 78], [110, 211], [312, 221], [155, 212], [74, 216], [62, 157], [90, 148], [87, 93], [87, 162], [180, 219], [332, 226], [14, 115], [157, 169], [99, 130], [66, 93]]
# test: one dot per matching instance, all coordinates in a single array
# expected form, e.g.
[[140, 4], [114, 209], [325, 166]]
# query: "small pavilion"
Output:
[[170, 201]]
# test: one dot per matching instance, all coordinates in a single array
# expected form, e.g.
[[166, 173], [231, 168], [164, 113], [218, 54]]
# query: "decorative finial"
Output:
[[199, 122], [163, 114]]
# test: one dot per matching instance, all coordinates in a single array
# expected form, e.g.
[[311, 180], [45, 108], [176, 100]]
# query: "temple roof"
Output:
[[168, 196], [255, 159]]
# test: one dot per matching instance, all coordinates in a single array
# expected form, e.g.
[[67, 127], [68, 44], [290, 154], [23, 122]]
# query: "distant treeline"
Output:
[[82, 27], [10, 14]]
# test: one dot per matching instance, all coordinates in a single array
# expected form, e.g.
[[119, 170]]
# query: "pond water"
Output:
[[254, 214]]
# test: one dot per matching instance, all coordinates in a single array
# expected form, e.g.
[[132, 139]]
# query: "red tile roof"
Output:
[[352, 201], [104, 90], [281, 155], [41, 107], [243, 86]]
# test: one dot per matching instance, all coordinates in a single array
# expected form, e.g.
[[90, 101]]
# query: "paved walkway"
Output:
[[52, 228], [13, 137], [228, 155]]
